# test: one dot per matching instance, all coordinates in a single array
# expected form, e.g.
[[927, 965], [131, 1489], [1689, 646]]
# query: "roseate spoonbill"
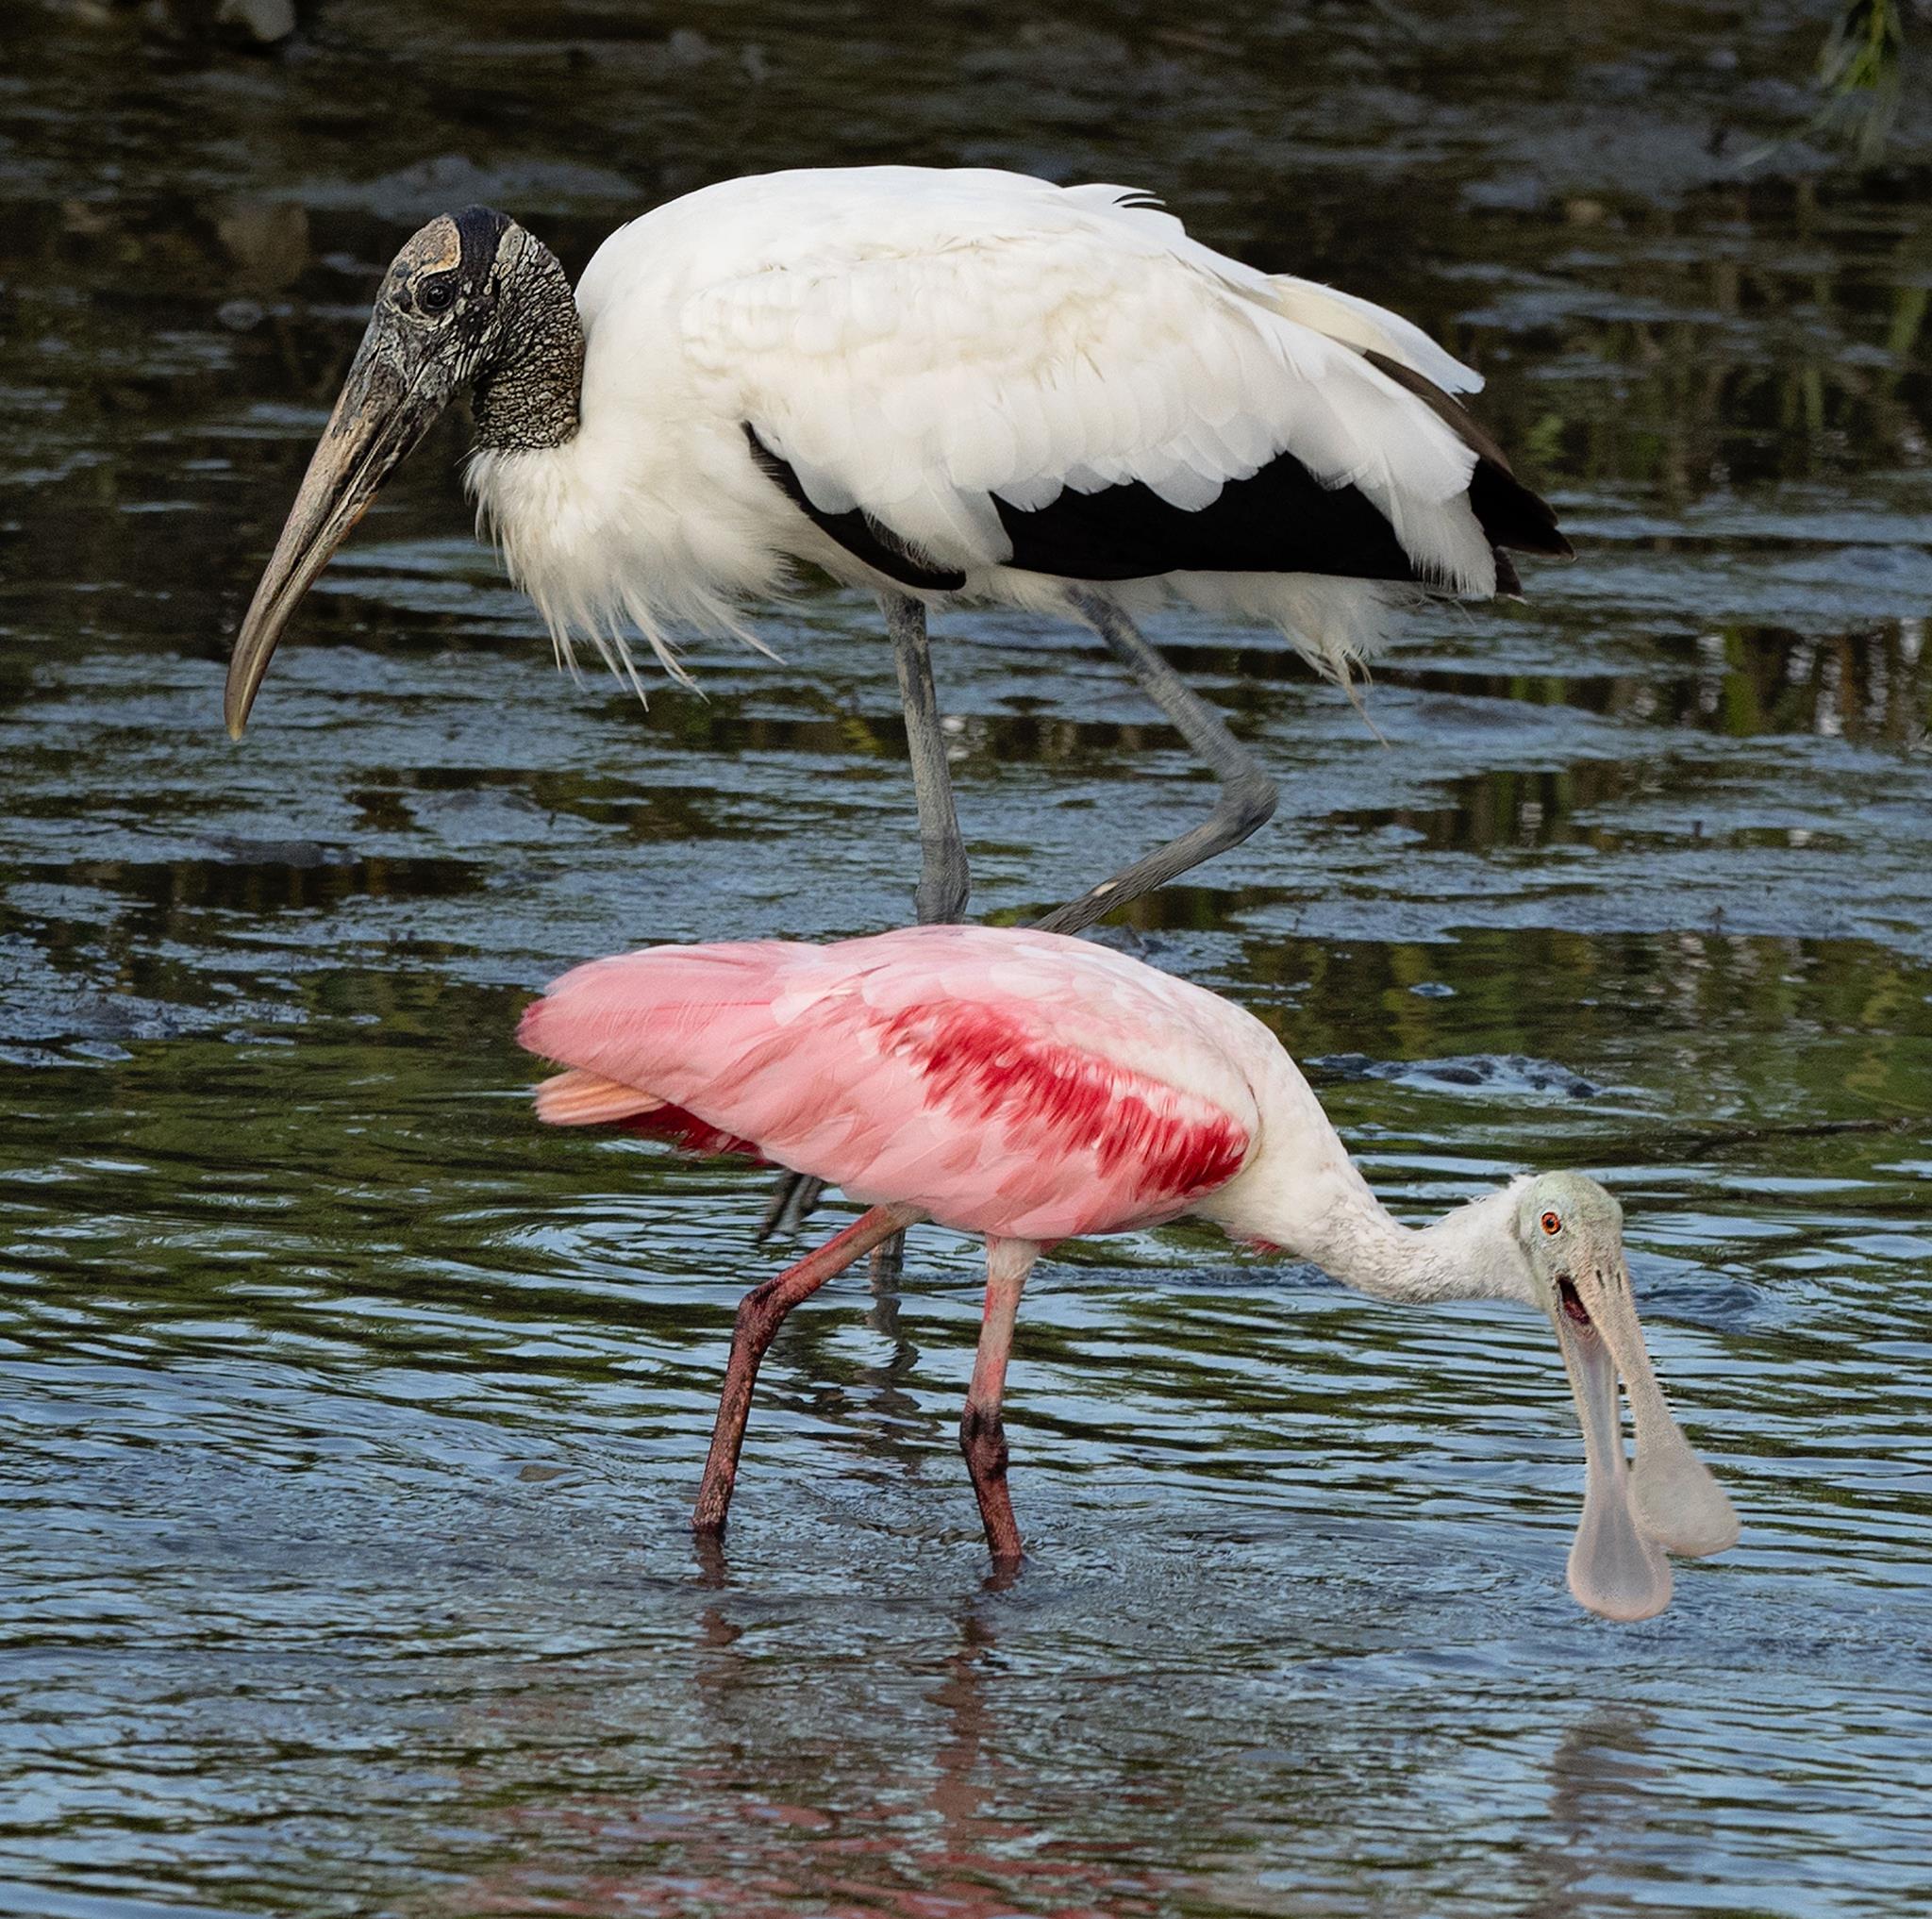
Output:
[[936, 385], [1035, 1087]]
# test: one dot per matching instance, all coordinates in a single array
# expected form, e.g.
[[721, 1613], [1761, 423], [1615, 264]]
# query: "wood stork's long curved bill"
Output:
[[455, 304], [1667, 1500], [391, 399]]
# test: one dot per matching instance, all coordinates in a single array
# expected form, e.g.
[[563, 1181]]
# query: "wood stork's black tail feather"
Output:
[[1513, 516], [1506, 510]]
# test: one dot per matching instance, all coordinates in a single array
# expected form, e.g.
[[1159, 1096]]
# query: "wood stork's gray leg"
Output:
[[946, 884], [945, 881], [1247, 795], [793, 1198]]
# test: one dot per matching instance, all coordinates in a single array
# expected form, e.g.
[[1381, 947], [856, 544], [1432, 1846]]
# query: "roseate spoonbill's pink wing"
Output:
[[1014, 1083]]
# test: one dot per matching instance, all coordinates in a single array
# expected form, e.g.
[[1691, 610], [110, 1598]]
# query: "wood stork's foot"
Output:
[[1248, 796], [794, 1197], [760, 1314]]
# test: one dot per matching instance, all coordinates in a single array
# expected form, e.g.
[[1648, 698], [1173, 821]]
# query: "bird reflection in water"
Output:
[[817, 1820], [1603, 1807]]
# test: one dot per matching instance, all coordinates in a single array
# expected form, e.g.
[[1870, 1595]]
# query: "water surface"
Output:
[[352, 1422]]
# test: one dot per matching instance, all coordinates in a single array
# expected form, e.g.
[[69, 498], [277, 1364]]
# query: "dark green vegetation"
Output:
[[1862, 71], [350, 1421]]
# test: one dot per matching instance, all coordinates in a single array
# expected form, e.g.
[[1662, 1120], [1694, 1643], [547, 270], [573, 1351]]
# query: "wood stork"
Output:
[[1034, 1088], [939, 385]]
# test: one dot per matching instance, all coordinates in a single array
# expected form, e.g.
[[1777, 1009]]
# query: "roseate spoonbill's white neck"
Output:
[[1034, 1088], [936, 385]]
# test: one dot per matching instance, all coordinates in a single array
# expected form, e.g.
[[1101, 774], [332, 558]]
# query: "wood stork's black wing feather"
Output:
[[858, 532], [1279, 519]]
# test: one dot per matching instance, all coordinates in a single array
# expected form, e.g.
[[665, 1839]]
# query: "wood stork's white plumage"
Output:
[[938, 385], [950, 355]]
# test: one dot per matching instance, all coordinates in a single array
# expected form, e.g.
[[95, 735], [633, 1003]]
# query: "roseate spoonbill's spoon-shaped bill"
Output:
[[1033, 1087], [938, 385]]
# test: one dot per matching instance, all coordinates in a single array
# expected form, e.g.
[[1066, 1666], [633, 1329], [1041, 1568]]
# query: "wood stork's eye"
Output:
[[1552, 1224], [437, 296]]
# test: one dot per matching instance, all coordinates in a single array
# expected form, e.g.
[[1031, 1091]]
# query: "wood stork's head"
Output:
[[1572, 1231], [472, 302]]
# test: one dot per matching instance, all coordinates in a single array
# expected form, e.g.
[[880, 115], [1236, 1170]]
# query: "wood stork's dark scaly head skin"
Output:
[[1571, 1230], [471, 302]]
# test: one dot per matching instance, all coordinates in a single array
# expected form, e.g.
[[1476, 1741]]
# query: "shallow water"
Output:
[[352, 1422]]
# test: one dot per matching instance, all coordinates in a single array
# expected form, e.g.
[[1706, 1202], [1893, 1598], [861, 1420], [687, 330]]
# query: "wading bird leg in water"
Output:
[[945, 880], [945, 883], [760, 1314], [982, 1432], [1247, 795]]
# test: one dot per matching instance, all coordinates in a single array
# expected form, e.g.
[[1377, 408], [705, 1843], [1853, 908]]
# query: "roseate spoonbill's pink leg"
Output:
[[982, 1433], [760, 1314]]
